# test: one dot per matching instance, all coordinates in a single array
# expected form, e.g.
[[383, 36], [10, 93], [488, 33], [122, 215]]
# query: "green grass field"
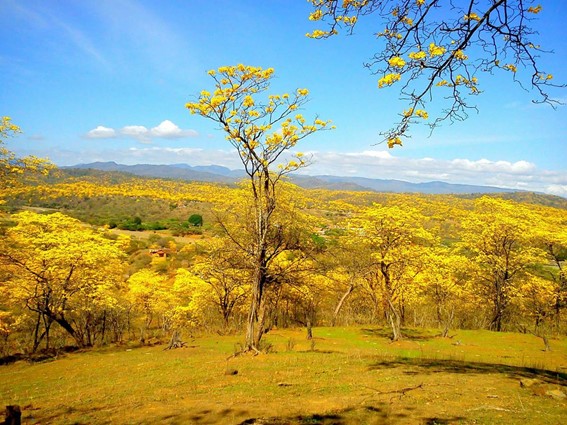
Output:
[[346, 376]]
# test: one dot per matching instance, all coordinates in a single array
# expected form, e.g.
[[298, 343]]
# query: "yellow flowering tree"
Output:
[[394, 241], [425, 51], [61, 271], [151, 295], [264, 130], [12, 168], [500, 239], [218, 282]]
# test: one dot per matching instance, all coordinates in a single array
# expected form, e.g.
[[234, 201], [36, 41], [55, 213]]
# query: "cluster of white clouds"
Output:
[[165, 130], [521, 175]]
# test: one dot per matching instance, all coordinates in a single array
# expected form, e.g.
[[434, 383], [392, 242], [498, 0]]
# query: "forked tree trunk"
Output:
[[448, 324]]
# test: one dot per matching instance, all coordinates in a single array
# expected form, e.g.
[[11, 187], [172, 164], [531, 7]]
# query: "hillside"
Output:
[[216, 173]]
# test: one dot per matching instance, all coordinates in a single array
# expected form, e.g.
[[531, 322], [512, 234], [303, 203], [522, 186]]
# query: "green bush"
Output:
[[196, 220]]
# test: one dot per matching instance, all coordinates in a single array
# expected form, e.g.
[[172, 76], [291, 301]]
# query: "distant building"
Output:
[[159, 252]]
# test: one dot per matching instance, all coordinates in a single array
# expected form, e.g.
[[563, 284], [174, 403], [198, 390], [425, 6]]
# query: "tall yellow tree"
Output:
[[61, 270], [151, 295], [444, 282], [499, 238], [551, 236], [395, 240], [239, 105]]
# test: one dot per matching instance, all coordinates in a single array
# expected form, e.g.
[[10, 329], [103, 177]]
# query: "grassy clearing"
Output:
[[348, 376]]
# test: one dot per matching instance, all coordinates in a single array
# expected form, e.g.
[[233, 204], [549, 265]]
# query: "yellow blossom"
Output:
[[459, 54], [417, 55], [302, 92], [394, 141], [511, 67], [217, 100], [317, 34], [422, 114], [248, 101], [472, 17], [536, 9], [315, 16], [388, 79], [435, 50], [396, 62], [420, 2]]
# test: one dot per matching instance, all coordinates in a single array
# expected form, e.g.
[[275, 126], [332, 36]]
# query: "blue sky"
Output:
[[107, 80]]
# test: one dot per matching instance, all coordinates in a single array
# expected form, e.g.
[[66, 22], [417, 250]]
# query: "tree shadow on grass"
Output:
[[377, 414], [408, 334], [200, 417], [428, 366], [361, 415], [81, 416]]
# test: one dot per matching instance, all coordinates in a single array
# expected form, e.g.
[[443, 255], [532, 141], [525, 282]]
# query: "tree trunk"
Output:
[[61, 321], [500, 303], [340, 304], [395, 322], [13, 415], [175, 341], [36, 337], [448, 324], [256, 315], [309, 325], [496, 323]]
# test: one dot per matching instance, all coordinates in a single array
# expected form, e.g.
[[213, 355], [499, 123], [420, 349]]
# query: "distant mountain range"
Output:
[[219, 174]]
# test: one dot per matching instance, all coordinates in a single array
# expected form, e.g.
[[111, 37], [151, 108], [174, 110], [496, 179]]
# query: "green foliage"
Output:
[[196, 220]]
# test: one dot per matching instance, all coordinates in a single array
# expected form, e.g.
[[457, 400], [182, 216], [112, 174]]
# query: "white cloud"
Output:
[[138, 132], [101, 132], [192, 156], [165, 130], [371, 154], [169, 130], [556, 189], [484, 165]]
